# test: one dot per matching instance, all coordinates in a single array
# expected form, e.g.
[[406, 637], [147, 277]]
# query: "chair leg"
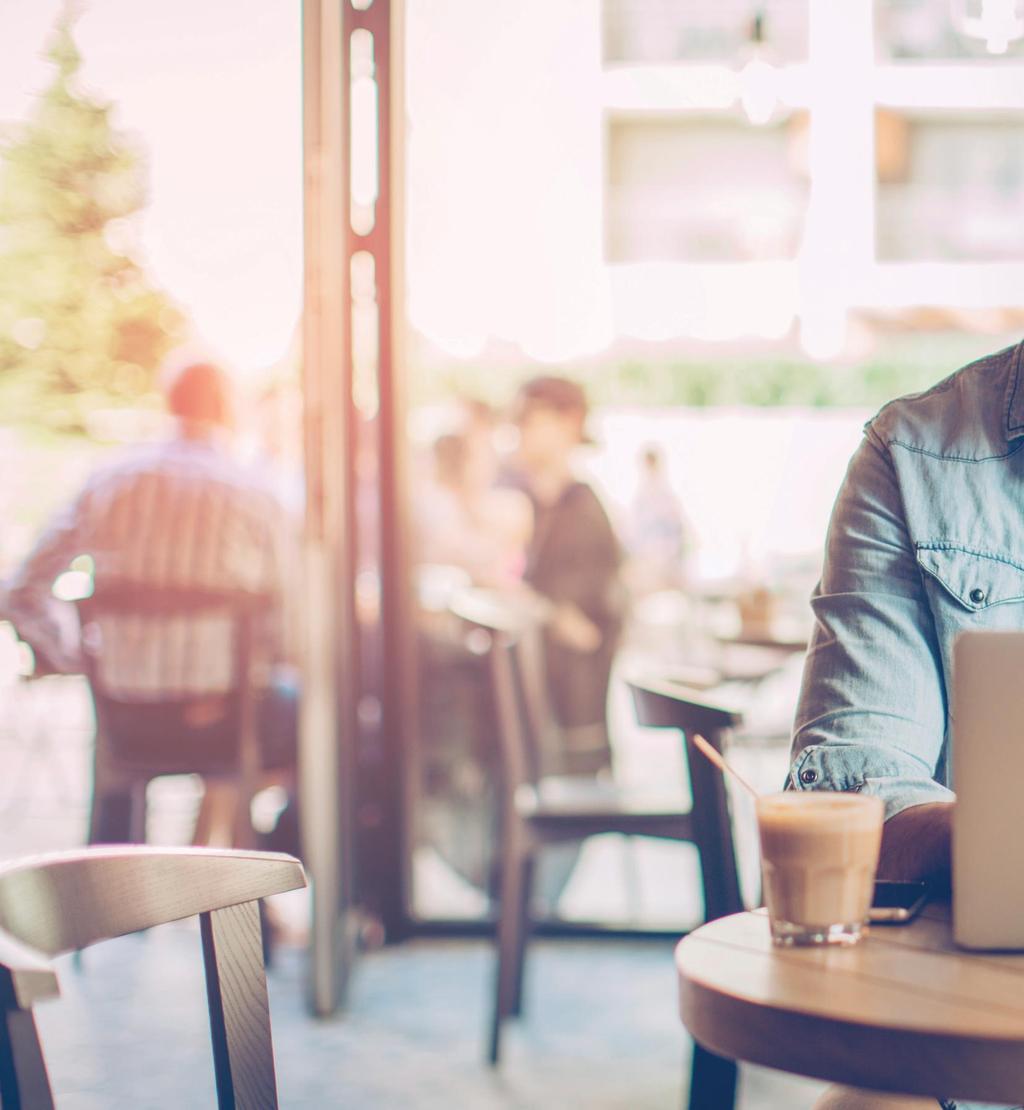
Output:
[[712, 1081], [98, 801], [217, 821], [23, 1079], [139, 812], [525, 906], [113, 817], [268, 935], [510, 918], [113, 812], [631, 879], [92, 835], [236, 991]]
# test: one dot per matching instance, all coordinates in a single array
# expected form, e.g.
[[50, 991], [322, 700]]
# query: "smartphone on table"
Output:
[[896, 902]]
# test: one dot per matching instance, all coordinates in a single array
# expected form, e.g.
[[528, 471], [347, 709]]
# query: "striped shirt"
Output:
[[179, 514]]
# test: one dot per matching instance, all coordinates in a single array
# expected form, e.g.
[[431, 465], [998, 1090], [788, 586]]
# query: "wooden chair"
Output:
[[661, 704], [61, 903], [537, 811], [141, 737]]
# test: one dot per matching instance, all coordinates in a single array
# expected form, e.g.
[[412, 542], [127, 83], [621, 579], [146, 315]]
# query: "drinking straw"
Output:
[[716, 758]]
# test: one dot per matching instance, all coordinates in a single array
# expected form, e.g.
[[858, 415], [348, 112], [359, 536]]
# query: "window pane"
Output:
[[708, 31], [701, 192], [950, 189], [937, 29]]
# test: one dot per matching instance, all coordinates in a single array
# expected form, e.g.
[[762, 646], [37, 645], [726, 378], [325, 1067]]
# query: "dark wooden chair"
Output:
[[61, 903], [660, 704], [141, 736], [537, 811]]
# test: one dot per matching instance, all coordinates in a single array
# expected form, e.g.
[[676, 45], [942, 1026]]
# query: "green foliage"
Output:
[[913, 363], [761, 382], [80, 325]]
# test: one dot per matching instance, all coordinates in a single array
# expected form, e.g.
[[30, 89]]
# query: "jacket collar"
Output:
[[1015, 395]]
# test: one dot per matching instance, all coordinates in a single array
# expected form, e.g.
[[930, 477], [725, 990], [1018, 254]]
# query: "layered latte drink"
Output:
[[819, 854]]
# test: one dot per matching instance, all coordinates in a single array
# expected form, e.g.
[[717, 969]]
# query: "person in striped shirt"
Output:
[[180, 514]]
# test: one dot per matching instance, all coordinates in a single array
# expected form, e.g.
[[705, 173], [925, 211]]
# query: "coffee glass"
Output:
[[819, 855]]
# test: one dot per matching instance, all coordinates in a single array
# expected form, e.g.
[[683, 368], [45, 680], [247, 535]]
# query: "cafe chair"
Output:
[[538, 810], [50, 905], [143, 735], [660, 704]]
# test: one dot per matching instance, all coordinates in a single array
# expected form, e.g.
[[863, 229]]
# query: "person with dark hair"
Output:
[[179, 514], [926, 541], [573, 565]]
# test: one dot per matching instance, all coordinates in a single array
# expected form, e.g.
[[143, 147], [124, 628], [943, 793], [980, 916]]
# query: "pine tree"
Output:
[[80, 324]]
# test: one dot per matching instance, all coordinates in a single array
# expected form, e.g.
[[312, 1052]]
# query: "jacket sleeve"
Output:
[[29, 601], [872, 712]]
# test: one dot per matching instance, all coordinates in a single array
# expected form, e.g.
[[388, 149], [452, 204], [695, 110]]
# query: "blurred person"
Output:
[[464, 519], [468, 530], [926, 540], [174, 514], [478, 422], [656, 534], [277, 441], [572, 564]]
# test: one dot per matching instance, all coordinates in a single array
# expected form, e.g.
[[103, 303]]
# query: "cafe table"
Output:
[[903, 1011]]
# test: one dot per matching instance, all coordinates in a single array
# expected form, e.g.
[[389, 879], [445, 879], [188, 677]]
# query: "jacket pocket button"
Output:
[[808, 775], [977, 595]]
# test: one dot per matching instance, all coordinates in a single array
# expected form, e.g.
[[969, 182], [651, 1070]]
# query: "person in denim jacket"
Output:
[[926, 540]]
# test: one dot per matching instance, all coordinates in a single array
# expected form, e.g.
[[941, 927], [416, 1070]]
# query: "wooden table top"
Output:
[[903, 1011]]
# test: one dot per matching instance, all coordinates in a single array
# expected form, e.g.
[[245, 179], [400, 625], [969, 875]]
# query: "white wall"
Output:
[[505, 170]]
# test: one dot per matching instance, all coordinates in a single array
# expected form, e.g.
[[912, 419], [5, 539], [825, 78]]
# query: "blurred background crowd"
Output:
[[650, 300]]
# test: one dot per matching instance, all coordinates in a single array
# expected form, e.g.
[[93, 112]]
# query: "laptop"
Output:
[[988, 776]]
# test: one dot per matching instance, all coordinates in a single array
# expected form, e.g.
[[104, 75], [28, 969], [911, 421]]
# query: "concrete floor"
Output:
[[600, 1029]]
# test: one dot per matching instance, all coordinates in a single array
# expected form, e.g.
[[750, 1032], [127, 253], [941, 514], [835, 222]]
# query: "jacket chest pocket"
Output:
[[976, 580]]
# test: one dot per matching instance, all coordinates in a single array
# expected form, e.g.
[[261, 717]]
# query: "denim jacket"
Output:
[[926, 540]]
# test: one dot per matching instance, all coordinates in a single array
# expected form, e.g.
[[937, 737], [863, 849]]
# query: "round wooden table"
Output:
[[904, 1011]]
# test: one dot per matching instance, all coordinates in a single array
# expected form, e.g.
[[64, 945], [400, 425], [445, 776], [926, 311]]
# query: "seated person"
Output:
[[464, 520], [930, 503], [464, 523], [177, 514], [572, 564]]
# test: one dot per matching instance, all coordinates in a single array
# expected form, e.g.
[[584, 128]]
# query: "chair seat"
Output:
[[577, 802]]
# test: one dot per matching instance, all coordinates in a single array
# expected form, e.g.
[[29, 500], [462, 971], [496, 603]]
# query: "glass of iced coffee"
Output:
[[819, 854]]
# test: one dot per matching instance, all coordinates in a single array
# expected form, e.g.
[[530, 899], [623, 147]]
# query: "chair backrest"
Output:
[[546, 734], [134, 598], [518, 743], [661, 704], [499, 631], [64, 902], [120, 604], [117, 608]]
